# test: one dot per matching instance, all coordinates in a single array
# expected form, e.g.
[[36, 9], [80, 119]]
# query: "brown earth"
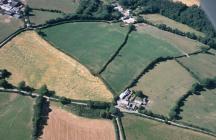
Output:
[[63, 125], [28, 57]]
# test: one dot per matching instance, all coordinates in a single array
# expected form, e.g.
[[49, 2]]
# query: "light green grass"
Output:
[[90, 42], [164, 85], [184, 44], [8, 27], [40, 17], [202, 65], [67, 6], [140, 50], [137, 128], [15, 116], [200, 110], [159, 19]]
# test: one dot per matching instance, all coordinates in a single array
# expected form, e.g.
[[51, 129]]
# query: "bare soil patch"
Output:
[[63, 125], [28, 57], [189, 2]]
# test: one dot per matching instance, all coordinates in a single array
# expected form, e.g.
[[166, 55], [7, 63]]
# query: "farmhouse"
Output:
[[11, 7], [128, 100]]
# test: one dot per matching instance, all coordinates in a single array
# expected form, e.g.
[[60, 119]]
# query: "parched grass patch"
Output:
[[8, 26], [140, 50], [28, 57], [137, 128], [182, 43], [16, 114], [164, 85], [200, 110], [92, 43], [202, 65], [159, 19]]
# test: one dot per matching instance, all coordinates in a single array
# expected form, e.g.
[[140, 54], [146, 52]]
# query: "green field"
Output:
[[140, 50], [15, 116], [184, 44], [200, 110], [90, 42], [202, 65], [164, 85], [8, 26], [40, 17], [67, 6], [137, 128], [159, 19]]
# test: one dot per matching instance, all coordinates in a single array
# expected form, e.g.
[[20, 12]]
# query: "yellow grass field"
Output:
[[164, 85], [189, 2], [63, 125], [159, 19], [28, 57]]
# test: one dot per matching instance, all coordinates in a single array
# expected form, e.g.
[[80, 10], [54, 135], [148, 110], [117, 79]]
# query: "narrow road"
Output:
[[36, 95], [119, 128]]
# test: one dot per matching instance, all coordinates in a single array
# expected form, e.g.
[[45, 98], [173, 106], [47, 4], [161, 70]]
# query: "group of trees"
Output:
[[4, 74], [192, 16]]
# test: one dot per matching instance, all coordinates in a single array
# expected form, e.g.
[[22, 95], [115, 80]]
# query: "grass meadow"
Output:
[[202, 65], [200, 110], [8, 26], [90, 43], [182, 43], [159, 19], [140, 50], [16, 114], [137, 128], [164, 85]]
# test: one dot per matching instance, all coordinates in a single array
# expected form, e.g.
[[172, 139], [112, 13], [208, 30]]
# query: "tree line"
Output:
[[191, 16]]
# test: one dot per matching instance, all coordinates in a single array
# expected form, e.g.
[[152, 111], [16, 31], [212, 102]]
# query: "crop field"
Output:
[[90, 42], [200, 110], [182, 43], [15, 116], [202, 65], [8, 26], [164, 85], [28, 57], [63, 125], [40, 17], [159, 19], [137, 128], [140, 50]]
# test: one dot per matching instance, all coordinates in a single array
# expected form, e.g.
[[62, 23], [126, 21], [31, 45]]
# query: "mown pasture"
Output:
[[16, 114], [137, 128], [8, 26], [200, 110], [184, 44], [41, 17], [202, 65], [159, 19], [30, 58], [164, 85], [91, 43], [141, 49]]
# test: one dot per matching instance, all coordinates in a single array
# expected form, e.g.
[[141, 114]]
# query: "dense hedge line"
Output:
[[131, 28], [148, 68], [48, 10]]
